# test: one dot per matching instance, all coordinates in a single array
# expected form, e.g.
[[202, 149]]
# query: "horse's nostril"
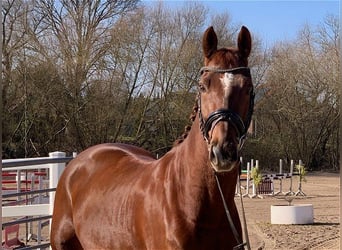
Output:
[[215, 155], [232, 155], [221, 158], [225, 153]]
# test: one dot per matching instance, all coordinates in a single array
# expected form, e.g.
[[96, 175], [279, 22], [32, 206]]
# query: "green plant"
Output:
[[301, 172], [256, 176]]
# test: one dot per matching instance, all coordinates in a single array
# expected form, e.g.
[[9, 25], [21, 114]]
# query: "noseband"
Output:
[[227, 115]]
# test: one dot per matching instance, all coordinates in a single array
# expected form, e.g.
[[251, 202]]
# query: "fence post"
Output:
[[291, 174], [55, 171]]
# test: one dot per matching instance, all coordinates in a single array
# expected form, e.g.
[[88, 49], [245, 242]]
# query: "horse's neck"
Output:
[[193, 175]]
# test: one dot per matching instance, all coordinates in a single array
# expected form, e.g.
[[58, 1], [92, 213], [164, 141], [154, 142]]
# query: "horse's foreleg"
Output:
[[73, 244], [62, 235]]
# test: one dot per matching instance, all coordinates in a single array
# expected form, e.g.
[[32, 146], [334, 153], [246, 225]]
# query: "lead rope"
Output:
[[230, 220], [244, 217]]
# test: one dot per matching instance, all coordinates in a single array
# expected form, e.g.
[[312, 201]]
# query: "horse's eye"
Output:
[[201, 87], [204, 82], [203, 70]]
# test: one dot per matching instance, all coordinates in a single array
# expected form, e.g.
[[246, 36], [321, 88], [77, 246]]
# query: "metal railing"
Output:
[[55, 164]]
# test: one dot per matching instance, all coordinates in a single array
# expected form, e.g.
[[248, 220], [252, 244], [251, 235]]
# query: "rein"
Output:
[[241, 127], [240, 244]]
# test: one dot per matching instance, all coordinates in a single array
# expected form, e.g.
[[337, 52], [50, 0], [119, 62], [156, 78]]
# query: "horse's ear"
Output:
[[209, 42], [244, 42]]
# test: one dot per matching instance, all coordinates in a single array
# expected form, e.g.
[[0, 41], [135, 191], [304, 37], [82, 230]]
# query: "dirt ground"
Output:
[[322, 190]]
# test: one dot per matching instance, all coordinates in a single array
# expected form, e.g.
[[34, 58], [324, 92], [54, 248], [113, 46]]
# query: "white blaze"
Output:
[[227, 82]]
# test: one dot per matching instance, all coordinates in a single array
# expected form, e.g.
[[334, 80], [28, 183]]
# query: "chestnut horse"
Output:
[[118, 196]]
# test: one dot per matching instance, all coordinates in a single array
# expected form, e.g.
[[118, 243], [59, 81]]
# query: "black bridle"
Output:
[[240, 126], [226, 114]]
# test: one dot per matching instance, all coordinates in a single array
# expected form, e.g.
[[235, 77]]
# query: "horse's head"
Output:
[[226, 98]]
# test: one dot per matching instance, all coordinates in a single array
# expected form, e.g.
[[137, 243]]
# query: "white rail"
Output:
[[56, 163]]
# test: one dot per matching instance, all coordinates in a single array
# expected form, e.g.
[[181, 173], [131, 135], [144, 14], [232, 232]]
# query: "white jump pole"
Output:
[[291, 175], [281, 172], [280, 179], [253, 186], [300, 192], [247, 180]]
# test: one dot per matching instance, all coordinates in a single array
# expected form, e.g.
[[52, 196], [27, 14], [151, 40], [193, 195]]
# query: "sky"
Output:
[[272, 20]]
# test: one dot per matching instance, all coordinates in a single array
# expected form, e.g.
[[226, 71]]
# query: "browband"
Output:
[[239, 70]]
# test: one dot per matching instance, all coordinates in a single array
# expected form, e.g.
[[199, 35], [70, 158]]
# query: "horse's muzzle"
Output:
[[223, 158]]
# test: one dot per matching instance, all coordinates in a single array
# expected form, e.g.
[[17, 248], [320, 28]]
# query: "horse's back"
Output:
[[106, 160], [92, 182], [110, 153]]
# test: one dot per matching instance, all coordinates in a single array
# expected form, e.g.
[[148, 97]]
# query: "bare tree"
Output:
[[152, 57], [14, 39], [301, 98], [80, 32], [68, 39], [14, 14]]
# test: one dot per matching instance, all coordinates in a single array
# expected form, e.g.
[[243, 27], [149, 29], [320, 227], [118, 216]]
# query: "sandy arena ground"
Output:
[[323, 191]]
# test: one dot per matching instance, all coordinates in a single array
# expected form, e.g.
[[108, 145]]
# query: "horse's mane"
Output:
[[187, 128]]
